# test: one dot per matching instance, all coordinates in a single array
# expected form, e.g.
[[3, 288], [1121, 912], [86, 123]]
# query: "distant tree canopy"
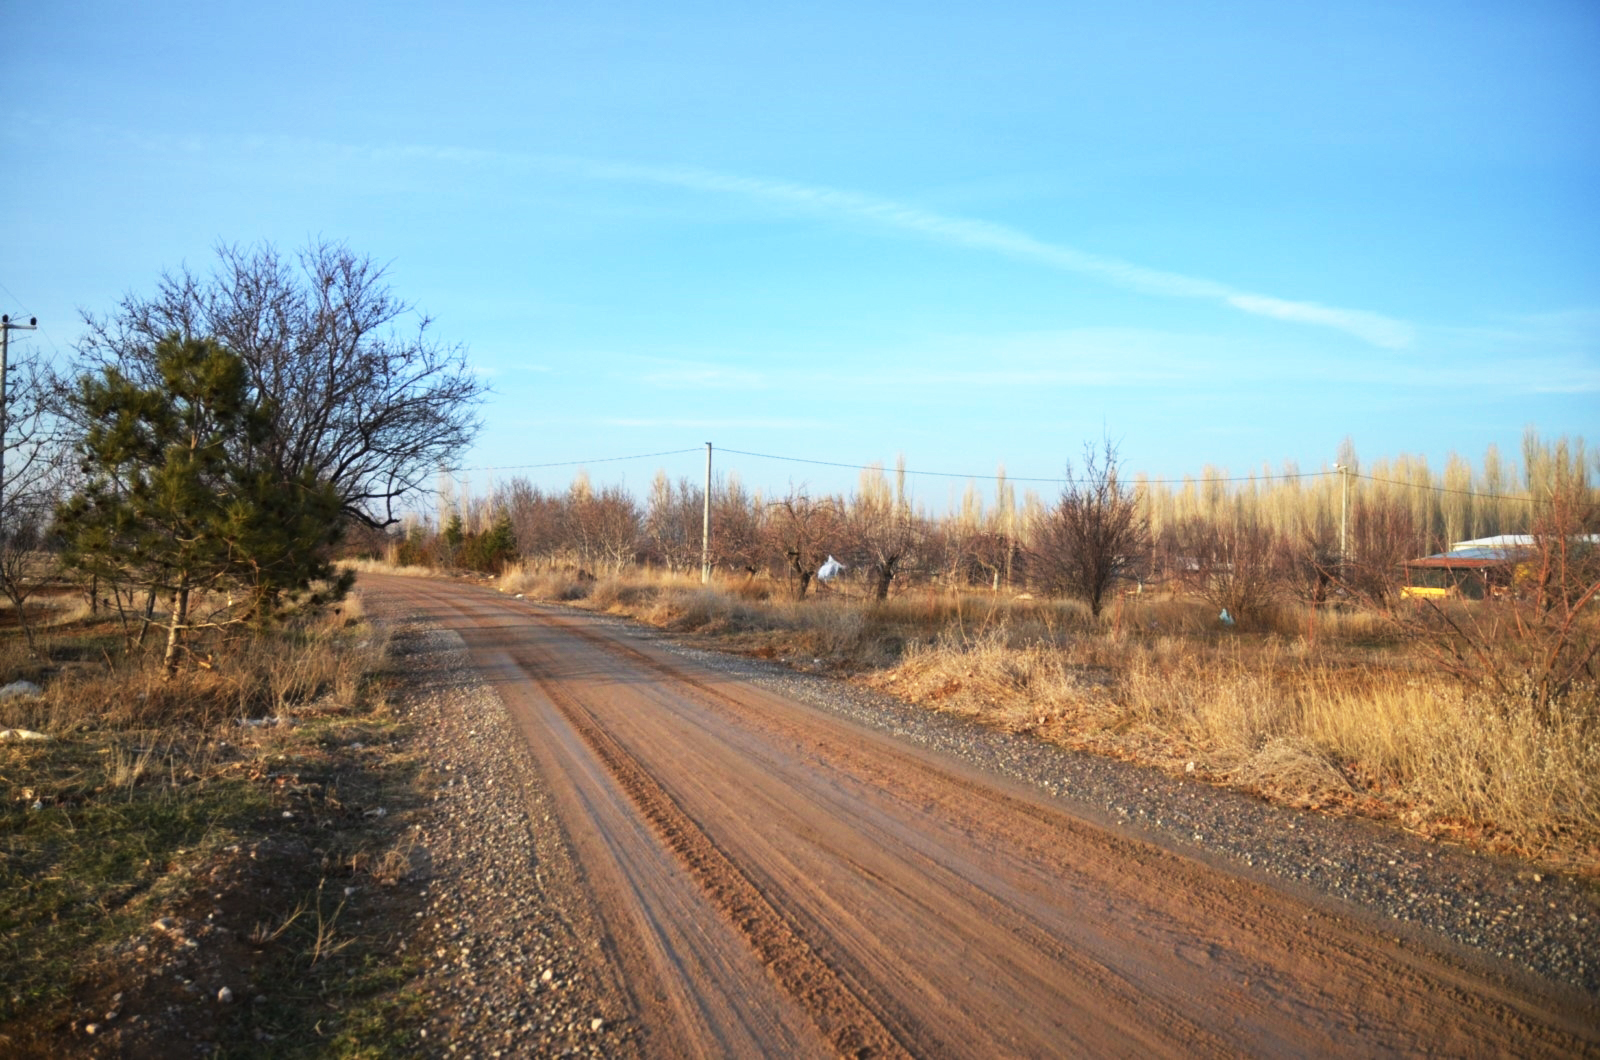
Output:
[[1249, 544], [182, 494], [351, 400]]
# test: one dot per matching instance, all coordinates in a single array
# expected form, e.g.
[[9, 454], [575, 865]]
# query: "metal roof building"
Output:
[[1474, 568]]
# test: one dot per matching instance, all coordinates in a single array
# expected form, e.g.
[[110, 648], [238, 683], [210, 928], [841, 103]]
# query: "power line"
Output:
[[1446, 489], [1021, 478], [9, 293], [1185, 481], [41, 330], [879, 467]]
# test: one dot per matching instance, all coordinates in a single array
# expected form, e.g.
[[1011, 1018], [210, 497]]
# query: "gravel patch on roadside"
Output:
[[1544, 923], [514, 961]]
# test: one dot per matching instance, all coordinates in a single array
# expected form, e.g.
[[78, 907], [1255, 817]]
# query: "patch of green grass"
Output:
[[367, 1009], [79, 848], [383, 1025]]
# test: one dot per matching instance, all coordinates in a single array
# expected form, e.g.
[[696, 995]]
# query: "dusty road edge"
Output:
[[513, 958]]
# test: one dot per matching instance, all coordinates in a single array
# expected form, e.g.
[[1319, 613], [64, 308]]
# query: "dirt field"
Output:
[[777, 880]]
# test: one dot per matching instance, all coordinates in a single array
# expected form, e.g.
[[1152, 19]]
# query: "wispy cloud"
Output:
[[1374, 328], [1581, 383], [1077, 357], [1540, 353]]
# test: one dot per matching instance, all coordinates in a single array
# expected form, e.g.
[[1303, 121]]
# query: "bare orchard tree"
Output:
[[674, 523], [802, 533], [361, 394], [737, 527], [1098, 534], [981, 556], [1383, 535], [36, 469], [537, 519], [1311, 558], [1233, 562], [885, 536], [601, 527]]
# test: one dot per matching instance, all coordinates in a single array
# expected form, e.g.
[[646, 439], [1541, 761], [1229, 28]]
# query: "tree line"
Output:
[[1245, 544]]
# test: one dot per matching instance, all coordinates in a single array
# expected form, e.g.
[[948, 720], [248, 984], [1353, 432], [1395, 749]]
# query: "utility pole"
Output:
[[6, 328], [705, 526]]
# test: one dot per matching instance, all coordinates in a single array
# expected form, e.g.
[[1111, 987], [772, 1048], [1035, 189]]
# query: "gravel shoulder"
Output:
[[513, 960]]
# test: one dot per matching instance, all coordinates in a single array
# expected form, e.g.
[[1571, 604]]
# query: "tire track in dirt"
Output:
[[839, 1013], [906, 903], [1241, 931], [850, 1027], [691, 843]]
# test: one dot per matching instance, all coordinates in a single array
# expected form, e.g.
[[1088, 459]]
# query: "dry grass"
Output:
[[249, 677], [378, 566], [563, 586], [1328, 727], [711, 610]]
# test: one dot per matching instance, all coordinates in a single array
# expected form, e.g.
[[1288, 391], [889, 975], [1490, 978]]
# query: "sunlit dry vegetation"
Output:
[[1253, 631]]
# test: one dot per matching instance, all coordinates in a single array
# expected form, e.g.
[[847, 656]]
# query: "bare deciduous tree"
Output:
[[674, 523], [1311, 558], [737, 527], [977, 555], [1533, 645], [1235, 564], [802, 533], [885, 536], [1096, 535], [536, 519], [37, 470], [356, 401], [603, 527], [1383, 535]]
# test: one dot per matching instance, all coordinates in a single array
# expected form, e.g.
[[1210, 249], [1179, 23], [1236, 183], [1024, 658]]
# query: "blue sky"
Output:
[[1223, 234]]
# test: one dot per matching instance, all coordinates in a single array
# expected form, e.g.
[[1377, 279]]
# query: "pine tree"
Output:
[[178, 499]]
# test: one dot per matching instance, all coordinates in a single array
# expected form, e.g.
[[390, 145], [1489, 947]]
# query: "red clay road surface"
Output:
[[778, 881]]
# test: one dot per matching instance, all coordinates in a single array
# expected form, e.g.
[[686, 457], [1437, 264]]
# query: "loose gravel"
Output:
[[516, 963]]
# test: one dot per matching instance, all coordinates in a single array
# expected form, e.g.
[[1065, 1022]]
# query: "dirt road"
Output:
[[775, 880]]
